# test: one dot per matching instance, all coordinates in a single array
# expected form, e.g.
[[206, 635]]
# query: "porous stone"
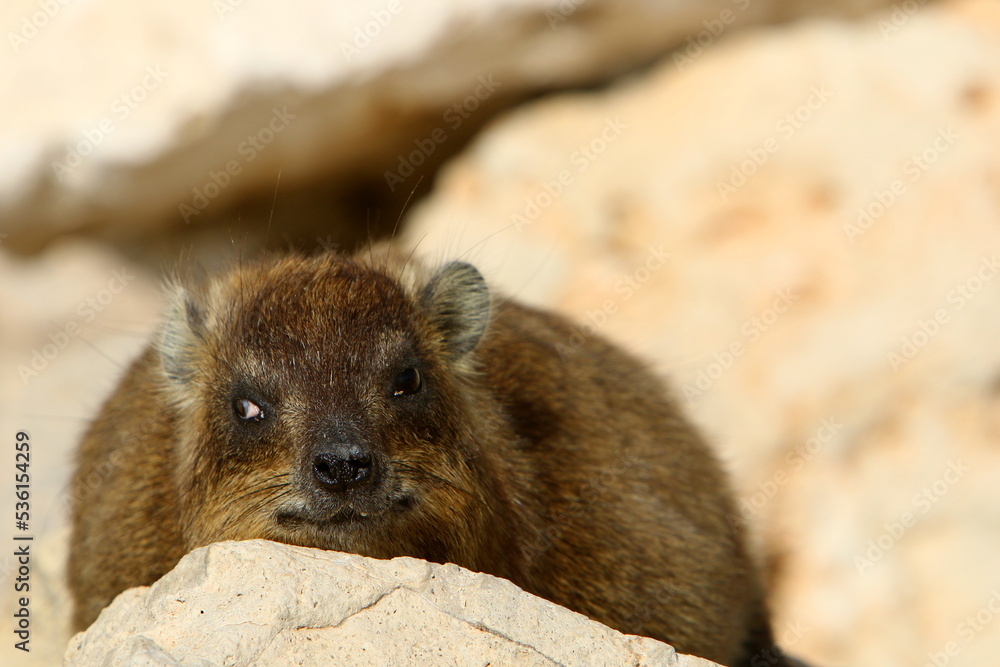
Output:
[[260, 602]]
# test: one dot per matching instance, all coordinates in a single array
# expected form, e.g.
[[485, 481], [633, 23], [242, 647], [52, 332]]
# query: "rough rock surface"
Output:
[[829, 310], [149, 108], [259, 602]]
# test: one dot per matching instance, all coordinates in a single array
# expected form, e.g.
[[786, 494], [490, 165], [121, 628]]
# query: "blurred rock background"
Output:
[[789, 208]]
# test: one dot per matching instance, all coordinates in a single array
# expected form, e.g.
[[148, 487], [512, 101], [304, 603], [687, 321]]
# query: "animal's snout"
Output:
[[340, 467]]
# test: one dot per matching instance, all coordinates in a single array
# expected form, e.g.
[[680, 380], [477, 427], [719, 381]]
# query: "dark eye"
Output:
[[247, 410], [407, 382]]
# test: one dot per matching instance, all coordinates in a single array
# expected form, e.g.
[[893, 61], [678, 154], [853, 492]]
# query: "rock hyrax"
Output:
[[365, 404]]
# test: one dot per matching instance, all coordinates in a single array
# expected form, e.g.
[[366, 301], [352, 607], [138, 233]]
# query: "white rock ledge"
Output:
[[116, 141], [260, 602]]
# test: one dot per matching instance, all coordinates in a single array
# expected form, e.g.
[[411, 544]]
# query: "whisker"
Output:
[[257, 504], [270, 217], [264, 486], [484, 240], [256, 487], [402, 211], [419, 472], [409, 257]]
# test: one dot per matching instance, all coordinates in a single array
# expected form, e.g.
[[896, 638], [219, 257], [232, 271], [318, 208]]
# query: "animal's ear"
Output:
[[457, 302], [183, 330]]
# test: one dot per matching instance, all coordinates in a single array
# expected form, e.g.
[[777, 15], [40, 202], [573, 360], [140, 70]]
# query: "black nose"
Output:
[[340, 467]]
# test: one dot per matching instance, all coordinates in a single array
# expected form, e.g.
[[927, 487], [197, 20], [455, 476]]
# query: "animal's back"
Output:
[[630, 504]]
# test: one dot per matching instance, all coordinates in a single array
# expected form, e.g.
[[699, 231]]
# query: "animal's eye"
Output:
[[247, 410], [407, 382]]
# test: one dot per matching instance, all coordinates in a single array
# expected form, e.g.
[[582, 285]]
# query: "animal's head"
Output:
[[325, 402]]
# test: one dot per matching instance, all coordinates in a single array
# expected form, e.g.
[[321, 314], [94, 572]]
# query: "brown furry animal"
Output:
[[363, 405]]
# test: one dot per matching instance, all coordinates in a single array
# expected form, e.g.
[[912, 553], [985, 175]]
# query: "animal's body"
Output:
[[366, 405]]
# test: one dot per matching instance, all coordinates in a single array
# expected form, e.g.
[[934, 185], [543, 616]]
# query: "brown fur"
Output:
[[574, 477]]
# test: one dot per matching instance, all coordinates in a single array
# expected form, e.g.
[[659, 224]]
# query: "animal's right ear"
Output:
[[458, 303], [182, 331]]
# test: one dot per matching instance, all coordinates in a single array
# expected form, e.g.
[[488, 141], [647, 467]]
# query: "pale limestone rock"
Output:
[[858, 232], [259, 602], [119, 113]]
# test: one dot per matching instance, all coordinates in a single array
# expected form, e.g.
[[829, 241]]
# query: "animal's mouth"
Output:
[[345, 516]]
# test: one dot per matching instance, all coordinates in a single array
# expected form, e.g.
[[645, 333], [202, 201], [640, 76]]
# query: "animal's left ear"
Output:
[[457, 301], [183, 331]]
